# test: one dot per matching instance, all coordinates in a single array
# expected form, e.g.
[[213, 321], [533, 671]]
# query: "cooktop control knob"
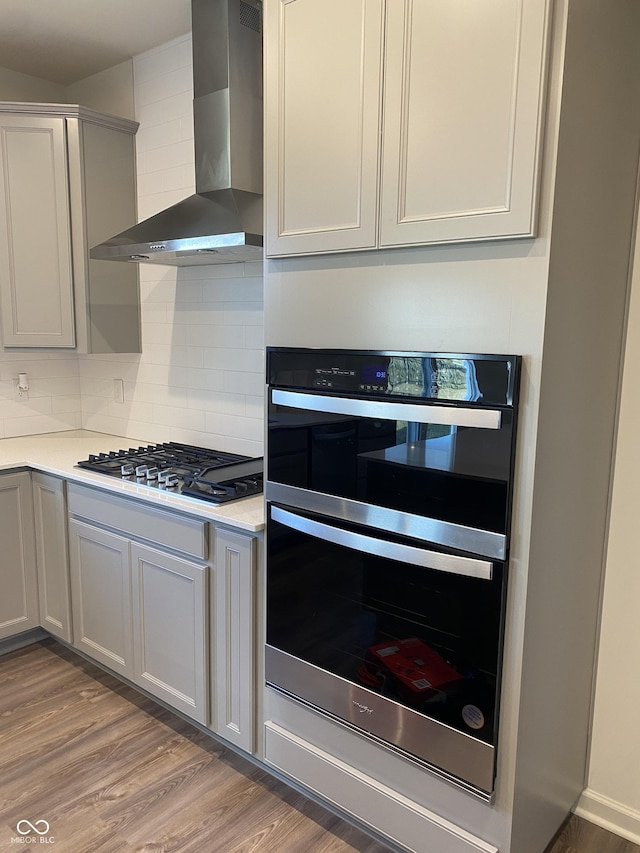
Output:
[[152, 474], [141, 470], [127, 470], [171, 481]]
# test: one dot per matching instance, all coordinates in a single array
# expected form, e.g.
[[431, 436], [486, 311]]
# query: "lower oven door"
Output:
[[394, 638]]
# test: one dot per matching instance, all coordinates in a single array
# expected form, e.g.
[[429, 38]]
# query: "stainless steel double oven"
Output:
[[389, 483]]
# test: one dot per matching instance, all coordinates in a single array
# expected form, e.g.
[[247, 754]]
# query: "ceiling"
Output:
[[67, 40]]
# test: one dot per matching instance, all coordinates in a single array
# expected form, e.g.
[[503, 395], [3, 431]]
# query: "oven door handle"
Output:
[[452, 563], [422, 414]]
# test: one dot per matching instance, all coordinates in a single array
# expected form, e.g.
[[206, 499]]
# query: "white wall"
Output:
[[22, 87], [199, 378], [612, 798], [108, 91]]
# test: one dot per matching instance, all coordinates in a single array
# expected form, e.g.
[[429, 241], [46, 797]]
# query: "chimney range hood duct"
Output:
[[222, 222]]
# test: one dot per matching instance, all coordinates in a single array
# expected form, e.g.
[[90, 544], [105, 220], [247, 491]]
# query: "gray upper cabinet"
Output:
[[401, 122], [67, 181]]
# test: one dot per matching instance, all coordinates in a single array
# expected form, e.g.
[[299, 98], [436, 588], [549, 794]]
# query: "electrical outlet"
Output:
[[118, 390], [19, 394]]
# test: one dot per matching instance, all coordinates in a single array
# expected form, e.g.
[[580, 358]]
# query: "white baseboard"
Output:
[[609, 814]]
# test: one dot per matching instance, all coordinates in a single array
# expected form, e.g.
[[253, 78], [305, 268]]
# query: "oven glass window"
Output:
[[427, 639], [458, 474]]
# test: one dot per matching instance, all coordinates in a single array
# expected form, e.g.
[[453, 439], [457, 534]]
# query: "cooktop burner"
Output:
[[210, 475]]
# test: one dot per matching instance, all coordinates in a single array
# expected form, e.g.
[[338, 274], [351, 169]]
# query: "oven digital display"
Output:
[[374, 374]]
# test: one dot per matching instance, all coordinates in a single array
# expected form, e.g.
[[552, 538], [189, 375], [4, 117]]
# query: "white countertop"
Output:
[[58, 452]]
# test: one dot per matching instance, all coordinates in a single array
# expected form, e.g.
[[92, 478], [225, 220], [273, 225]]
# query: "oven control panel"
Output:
[[488, 380]]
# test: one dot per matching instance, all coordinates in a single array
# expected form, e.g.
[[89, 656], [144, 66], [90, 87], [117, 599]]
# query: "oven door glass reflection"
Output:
[[417, 625]]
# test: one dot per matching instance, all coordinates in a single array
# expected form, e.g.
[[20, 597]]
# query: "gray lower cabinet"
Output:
[[52, 551], [170, 628], [101, 595], [140, 590], [18, 581], [233, 638]]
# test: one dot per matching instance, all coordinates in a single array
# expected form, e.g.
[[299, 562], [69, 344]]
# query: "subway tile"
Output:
[[255, 407], [168, 157], [233, 359], [66, 404], [157, 135], [178, 416], [216, 401], [41, 423], [199, 438], [245, 314], [176, 53], [145, 392], [253, 337], [173, 82], [234, 444], [14, 409], [51, 387], [254, 269], [216, 336], [172, 334], [177, 106], [240, 382], [232, 425], [206, 380]]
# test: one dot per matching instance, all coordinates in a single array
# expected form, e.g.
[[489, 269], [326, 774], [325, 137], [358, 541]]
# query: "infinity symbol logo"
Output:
[[32, 827]]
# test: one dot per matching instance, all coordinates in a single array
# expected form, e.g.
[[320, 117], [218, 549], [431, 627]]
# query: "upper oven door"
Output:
[[429, 467]]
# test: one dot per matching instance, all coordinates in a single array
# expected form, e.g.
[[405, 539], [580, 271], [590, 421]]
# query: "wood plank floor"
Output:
[[113, 772]]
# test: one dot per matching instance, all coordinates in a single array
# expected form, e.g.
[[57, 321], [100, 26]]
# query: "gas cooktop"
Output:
[[198, 472]]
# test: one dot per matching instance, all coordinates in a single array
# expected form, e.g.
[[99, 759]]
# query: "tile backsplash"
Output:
[[52, 402], [200, 376]]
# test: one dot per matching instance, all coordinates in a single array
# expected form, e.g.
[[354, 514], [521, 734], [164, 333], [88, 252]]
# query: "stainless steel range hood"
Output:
[[222, 222]]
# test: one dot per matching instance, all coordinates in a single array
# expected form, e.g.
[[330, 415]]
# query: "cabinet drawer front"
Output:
[[401, 820], [167, 529]]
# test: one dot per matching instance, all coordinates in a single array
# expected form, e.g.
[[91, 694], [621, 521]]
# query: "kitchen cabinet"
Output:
[[19, 596], [139, 583], [67, 181], [52, 553], [170, 629], [233, 638], [401, 123], [101, 596]]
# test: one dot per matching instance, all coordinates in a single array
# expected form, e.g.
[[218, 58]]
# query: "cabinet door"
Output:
[[101, 596], [233, 638], [54, 584], [36, 290], [170, 629], [19, 589], [462, 96], [323, 78]]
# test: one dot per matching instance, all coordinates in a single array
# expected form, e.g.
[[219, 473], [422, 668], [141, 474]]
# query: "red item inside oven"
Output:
[[417, 666]]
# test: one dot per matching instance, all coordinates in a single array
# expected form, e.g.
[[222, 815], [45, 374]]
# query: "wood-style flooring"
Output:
[[110, 771]]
